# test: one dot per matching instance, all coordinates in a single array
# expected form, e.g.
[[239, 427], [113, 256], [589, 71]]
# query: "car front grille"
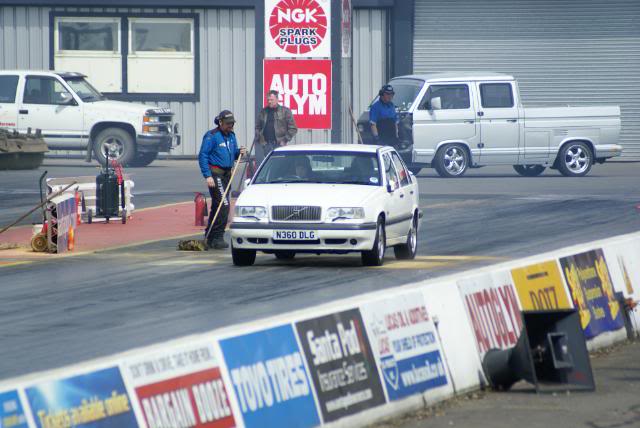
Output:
[[295, 213]]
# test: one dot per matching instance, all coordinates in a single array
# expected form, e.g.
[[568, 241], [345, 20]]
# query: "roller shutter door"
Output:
[[563, 52]]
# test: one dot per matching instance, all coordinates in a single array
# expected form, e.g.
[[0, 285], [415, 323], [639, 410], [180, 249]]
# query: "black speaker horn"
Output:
[[551, 354]]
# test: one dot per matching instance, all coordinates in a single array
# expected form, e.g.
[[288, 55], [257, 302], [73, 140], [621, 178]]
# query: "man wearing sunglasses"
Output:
[[218, 153]]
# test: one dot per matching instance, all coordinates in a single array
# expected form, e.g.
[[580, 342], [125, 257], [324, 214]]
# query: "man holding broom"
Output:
[[218, 153]]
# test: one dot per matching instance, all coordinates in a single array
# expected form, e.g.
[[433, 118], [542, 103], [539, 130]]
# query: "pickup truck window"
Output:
[[496, 95], [44, 90], [8, 88], [452, 97], [406, 92], [84, 90]]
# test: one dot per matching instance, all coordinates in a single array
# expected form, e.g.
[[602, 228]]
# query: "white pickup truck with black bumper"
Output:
[[73, 115], [454, 121]]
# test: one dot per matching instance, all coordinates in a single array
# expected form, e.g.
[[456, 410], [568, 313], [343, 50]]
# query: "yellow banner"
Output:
[[540, 287]]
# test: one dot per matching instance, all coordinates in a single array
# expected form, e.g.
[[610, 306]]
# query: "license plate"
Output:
[[295, 235]]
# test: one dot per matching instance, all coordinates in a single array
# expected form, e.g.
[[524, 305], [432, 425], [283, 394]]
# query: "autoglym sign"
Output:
[[297, 28]]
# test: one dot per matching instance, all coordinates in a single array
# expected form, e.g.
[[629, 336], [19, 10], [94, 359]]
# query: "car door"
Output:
[[499, 123], [48, 105], [394, 204], [407, 193], [8, 106], [454, 121]]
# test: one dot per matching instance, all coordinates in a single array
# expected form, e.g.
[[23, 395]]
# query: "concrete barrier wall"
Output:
[[344, 364]]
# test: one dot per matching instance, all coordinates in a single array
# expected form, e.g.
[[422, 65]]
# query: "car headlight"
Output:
[[258, 213], [151, 119], [347, 213]]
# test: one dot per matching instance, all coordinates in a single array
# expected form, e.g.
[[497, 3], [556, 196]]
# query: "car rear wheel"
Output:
[[408, 251], [285, 255], [575, 159], [529, 170], [452, 161], [375, 257], [243, 257]]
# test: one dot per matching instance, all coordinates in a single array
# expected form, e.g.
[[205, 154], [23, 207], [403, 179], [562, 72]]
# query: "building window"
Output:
[[90, 46], [134, 57]]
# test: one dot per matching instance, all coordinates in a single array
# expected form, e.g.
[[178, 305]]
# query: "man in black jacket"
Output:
[[275, 127]]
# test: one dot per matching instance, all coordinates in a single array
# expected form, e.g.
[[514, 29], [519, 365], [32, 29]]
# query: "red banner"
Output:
[[194, 400], [304, 86]]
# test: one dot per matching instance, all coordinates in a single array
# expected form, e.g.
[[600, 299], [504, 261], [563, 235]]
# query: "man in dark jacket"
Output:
[[218, 152], [275, 127]]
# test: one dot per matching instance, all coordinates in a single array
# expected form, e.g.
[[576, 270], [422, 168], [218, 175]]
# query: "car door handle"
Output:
[[480, 113], [512, 120], [411, 192], [23, 111], [469, 121]]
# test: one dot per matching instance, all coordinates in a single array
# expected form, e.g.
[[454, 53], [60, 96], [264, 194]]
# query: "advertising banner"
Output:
[[305, 87], [346, 28], [592, 290], [11, 411], [404, 341], [342, 365], [540, 287], [97, 399], [297, 28], [180, 388], [493, 310], [64, 217], [270, 379], [623, 259]]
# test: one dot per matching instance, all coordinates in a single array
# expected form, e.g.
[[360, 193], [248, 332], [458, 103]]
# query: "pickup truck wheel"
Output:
[[452, 161], [408, 251], [143, 159], [243, 257], [575, 159], [375, 257], [529, 170], [119, 141]]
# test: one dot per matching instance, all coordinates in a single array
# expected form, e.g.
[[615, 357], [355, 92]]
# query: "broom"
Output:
[[201, 245]]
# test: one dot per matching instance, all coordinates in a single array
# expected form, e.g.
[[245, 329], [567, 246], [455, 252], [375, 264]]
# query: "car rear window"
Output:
[[8, 89]]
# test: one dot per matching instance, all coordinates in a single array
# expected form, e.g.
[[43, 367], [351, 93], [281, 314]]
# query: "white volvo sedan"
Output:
[[328, 198]]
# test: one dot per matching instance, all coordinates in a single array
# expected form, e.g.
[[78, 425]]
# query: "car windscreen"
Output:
[[406, 91], [84, 90], [329, 167]]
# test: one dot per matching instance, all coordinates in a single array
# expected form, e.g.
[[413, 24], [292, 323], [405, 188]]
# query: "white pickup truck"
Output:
[[454, 121], [73, 115]]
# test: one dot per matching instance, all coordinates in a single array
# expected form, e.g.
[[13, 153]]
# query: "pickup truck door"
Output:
[[499, 118], [8, 106], [455, 121], [47, 104]]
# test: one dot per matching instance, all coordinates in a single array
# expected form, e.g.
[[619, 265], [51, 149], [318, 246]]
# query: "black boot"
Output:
[[219, 244]]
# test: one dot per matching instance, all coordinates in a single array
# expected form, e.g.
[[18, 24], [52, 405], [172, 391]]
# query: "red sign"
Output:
[[193, 400], [297, 27], [305, 87]]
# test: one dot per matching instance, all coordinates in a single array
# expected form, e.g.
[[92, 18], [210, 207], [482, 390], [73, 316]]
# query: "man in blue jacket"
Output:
[[218, 152], [384, 118]]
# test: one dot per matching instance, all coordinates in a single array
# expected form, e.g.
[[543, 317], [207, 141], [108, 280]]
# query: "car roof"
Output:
[[363, 148], [454, 75], [63, 74]]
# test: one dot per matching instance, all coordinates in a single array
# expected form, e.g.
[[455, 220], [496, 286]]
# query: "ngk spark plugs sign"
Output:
[[404, 341], [297, 28], [493, 310], [181, 388], [341, 362], [270, 380], [305, 87]]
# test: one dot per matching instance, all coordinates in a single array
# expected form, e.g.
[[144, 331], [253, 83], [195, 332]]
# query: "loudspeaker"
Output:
[[551, 354]]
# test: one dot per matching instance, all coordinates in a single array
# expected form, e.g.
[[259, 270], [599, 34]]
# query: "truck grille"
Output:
[[295, 213]]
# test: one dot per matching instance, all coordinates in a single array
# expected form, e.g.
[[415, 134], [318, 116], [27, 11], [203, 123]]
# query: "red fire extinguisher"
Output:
[[201, 208]]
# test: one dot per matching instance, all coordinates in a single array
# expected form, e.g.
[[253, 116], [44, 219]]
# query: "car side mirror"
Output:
[[67, 99], [435, 104]]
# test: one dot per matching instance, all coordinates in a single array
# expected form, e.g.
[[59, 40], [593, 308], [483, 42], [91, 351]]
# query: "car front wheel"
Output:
[[451, 161], [375, 257], [408, 250], [243, 257]]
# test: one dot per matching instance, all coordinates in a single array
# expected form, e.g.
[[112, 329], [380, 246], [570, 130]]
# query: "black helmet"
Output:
[[224, 116], [386, 89]]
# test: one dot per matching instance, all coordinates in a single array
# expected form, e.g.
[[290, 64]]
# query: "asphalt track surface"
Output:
[[58, 313]]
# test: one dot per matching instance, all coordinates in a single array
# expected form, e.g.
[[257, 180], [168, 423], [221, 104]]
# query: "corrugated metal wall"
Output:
[[576, 52], [227, 34], [370, 62]]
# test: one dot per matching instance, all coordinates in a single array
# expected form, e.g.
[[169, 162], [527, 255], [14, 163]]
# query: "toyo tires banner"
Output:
[[297, 28], [304, 86]]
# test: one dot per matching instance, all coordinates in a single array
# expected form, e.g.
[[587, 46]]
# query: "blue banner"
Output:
[[587, 275], [270, 380], [11, 412], [92, 400], [413, 375]]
